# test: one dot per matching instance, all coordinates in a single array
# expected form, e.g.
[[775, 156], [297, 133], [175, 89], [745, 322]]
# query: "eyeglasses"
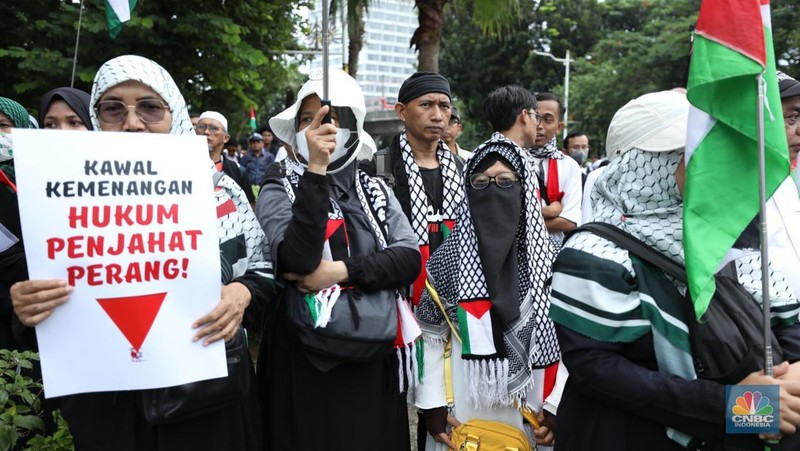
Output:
[[548, 119], [150, 111], [201, 128], [536, 116], [503, 180]]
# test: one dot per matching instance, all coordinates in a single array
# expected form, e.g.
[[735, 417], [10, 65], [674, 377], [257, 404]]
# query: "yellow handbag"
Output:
[[475, 434], [483, 435]]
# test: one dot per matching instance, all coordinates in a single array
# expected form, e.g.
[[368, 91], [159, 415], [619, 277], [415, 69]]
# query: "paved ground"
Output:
[[412, 426]]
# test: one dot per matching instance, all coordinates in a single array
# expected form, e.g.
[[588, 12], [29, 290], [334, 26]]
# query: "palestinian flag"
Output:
[[732, 46], [475, 321], [117, 13], [253, 123]]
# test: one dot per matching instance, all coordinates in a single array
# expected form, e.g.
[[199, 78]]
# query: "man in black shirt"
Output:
[[425, 176]]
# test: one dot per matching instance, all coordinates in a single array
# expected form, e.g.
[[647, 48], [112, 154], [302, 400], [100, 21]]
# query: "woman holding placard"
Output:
[[134, 94]]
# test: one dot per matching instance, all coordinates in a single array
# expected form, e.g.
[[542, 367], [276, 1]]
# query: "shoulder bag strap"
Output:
[[524, 410], [636, 246], [448, 347]]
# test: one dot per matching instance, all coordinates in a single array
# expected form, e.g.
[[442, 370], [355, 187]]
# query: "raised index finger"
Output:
[[317, 121]]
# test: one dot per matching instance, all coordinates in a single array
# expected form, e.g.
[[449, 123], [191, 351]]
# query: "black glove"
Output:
[[435, 420], [549, 420]]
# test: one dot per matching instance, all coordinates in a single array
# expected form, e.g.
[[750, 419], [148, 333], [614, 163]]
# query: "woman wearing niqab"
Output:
[[492, 278]]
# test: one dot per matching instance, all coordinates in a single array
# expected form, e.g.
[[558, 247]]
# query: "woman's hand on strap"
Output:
[[223, 322], [327, 273], [35, 300]]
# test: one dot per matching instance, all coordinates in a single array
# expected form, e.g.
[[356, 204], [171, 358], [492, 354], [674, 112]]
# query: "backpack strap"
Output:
[[636, 246], [384, 166]]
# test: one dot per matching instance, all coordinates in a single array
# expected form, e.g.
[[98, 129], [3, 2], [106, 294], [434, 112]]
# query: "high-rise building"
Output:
[[386, 58]]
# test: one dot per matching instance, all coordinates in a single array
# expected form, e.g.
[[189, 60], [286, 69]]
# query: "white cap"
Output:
[[217, 117], [654, 122], [344, 92]]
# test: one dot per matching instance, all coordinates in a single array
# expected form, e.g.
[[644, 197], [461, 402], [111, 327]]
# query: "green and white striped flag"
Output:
[[117, 13], [732, 46]]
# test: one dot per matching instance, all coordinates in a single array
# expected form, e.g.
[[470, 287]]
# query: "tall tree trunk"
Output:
[[355, 34], [428, 35]]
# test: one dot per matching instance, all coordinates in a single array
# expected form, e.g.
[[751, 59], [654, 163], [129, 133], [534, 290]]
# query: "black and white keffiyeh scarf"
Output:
[[551, 191], [371, 192], [452, 191], [549, 150], [422, 211], [499, 363]]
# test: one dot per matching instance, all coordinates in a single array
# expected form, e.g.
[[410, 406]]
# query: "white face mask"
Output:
[[342, 136]]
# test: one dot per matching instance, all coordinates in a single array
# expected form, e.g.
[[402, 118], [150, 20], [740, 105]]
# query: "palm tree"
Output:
[[492, 16], [355, 29]]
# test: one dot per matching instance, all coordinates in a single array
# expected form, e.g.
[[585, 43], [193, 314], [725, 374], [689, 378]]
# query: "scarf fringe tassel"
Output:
[[407, 375], [487, 383]]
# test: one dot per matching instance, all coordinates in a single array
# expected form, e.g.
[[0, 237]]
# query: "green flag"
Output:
[[117, 13], [733, 45]]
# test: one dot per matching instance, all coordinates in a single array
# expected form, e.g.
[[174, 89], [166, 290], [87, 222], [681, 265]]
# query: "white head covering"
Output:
[[217, 117], [654, 122], [137, 68], [344, 92]]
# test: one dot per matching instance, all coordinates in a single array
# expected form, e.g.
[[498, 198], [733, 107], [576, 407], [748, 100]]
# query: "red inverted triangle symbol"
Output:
[[477, 308], [134, 315]]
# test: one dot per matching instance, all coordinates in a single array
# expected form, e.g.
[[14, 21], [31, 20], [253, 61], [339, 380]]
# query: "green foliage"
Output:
[[60, 440], [476, 64], [785, 17], [19, 398], [21, 410], [645, 48], [621, 49], [224, 54]]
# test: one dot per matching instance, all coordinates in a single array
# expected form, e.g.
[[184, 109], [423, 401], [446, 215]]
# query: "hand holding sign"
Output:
[[224, 320], [134, 234], [35, 300]]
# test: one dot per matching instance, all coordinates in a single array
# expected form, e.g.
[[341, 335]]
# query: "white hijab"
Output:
[[133, 67]]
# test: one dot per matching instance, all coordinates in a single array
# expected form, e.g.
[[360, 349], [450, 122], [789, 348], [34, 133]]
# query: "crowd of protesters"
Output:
[[424, 274]]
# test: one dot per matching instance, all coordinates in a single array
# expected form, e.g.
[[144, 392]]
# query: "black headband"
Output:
[[423, 83], [788, 86]]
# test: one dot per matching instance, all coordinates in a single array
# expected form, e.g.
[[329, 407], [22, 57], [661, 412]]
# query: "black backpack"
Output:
[[728, 341]]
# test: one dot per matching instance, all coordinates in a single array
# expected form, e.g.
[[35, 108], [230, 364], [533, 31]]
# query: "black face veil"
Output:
[[496, 214]]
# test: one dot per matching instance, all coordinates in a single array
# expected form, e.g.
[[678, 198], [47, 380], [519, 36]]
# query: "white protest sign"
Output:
[[129, 220]]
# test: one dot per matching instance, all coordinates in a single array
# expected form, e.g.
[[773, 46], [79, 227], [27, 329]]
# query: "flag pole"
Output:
[[325, 56], [77, 40], [762, 197]]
